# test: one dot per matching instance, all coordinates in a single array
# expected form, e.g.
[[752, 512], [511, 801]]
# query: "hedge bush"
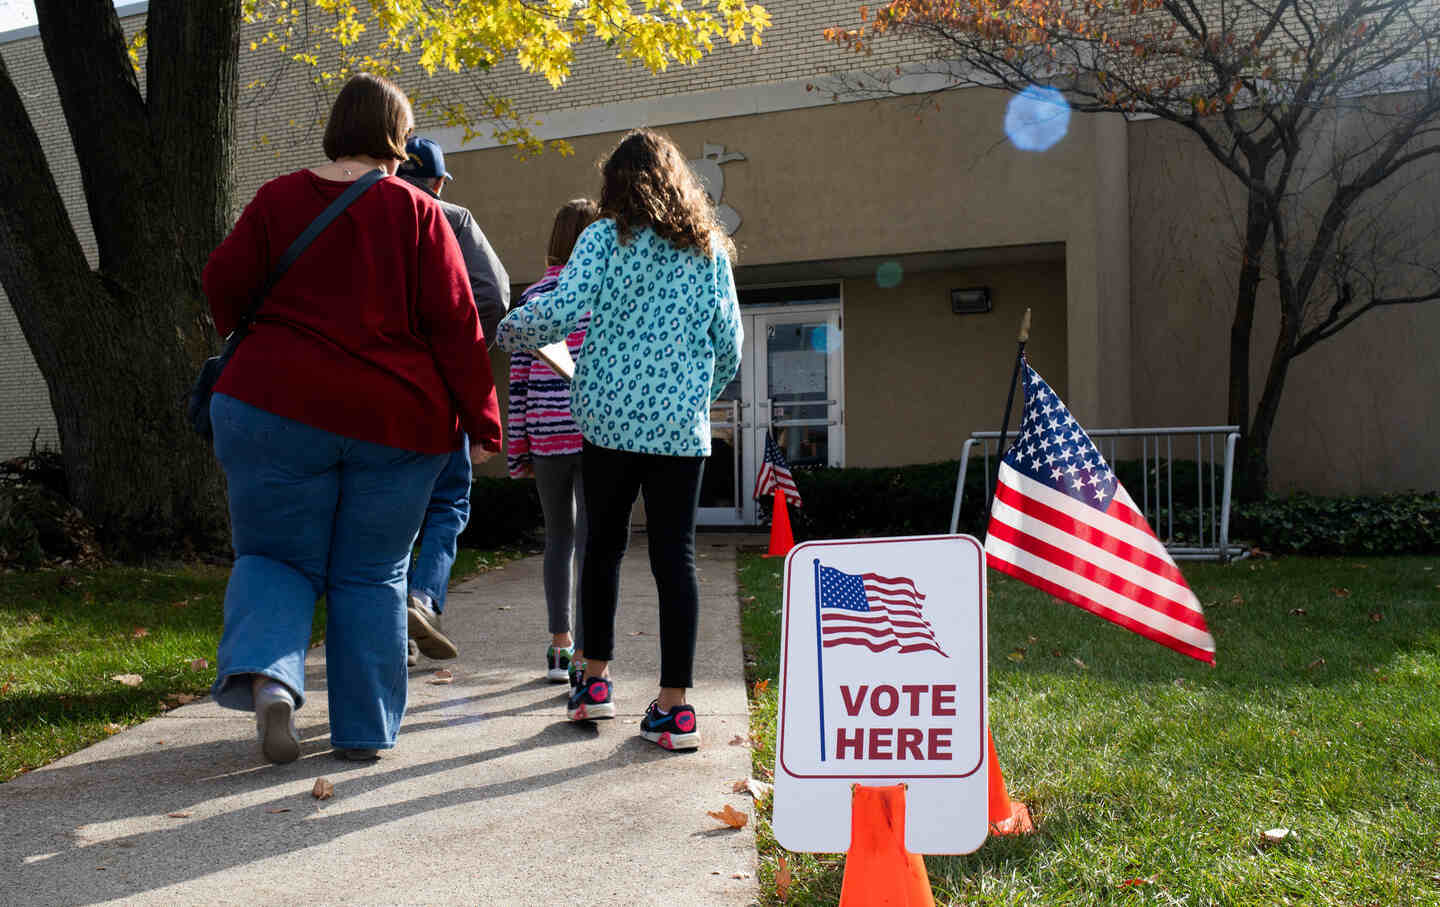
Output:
[[916, 500], [1305, 524], [504, 513]]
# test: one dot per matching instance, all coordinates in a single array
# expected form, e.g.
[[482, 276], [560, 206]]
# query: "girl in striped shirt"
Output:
[[545, 443]]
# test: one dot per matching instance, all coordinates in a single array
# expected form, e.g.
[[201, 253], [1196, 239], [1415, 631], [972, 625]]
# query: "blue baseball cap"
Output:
[[426, 160]]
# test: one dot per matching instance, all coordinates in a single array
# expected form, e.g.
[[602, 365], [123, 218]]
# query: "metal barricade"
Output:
[[1202, 532]]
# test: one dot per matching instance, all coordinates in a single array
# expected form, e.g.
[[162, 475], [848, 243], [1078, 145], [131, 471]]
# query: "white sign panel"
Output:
[[882, 681]]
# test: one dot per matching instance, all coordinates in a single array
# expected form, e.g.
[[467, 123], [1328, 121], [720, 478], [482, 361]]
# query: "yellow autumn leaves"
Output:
[[477, 34]]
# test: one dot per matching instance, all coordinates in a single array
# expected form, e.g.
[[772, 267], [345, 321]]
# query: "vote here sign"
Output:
[[883, 681]]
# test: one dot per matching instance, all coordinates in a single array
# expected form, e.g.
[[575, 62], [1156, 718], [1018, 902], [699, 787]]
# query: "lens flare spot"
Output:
[[1037, 119], [889, 275]]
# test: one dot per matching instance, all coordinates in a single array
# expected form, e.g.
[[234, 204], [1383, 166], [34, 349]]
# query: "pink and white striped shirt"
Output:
[[540, 423]]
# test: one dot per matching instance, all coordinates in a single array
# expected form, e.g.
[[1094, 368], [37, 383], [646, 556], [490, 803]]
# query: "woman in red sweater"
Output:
[[332, 421]]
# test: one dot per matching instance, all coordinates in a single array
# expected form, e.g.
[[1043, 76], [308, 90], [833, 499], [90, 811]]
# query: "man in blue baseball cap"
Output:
[[449, 508], [427, 160]]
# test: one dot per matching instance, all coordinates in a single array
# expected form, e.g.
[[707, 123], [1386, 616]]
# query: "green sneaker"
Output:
[[557, 663]]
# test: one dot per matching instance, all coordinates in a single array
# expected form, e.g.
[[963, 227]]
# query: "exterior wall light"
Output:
[[970, 301]]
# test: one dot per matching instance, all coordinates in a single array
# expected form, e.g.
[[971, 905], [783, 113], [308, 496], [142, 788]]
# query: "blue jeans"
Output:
[[445, 519], [313, 513]]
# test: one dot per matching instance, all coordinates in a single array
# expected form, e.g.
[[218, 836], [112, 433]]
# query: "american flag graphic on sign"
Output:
[[1063, 523], [878, 612], [775, 472]]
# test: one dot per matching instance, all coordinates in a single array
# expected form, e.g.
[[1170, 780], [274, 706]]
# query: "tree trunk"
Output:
[[119, 345], [1256, 472], [1257, 229]]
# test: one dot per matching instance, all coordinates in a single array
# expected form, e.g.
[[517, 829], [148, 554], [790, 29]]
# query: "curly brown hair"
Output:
[[648, 184]]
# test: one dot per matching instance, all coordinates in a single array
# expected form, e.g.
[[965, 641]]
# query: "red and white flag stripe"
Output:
[[1107, 562]]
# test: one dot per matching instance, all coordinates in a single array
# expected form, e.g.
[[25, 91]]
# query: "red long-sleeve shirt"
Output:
[[372, 333]]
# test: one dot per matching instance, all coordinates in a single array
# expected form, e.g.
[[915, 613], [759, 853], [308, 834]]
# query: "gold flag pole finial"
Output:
[[1024, 327]]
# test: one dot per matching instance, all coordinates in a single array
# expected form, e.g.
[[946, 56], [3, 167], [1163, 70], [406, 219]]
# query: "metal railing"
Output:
[[1202, 532]]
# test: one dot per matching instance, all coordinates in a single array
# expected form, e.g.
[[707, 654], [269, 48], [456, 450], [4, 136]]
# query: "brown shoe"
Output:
[[424, 623]]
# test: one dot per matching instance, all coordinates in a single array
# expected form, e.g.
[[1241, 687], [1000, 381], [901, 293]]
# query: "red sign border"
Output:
[[785, 655]]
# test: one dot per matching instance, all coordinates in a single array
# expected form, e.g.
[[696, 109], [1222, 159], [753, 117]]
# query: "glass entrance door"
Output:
[[789, 384]]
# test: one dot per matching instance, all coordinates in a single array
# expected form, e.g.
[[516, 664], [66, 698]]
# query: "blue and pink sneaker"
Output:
[[593, 698], [675, 730]]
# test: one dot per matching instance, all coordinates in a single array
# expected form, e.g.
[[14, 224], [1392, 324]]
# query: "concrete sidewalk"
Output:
[[490, 797]]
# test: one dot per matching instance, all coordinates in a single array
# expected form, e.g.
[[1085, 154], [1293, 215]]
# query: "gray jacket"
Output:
[[488, 281]]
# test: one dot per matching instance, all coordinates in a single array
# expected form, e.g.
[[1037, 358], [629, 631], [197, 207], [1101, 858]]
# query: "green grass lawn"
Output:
[[1151, 777], [64, 634]]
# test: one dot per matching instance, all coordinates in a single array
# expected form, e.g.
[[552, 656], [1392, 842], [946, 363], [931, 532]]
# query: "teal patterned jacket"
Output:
[[663, 342]]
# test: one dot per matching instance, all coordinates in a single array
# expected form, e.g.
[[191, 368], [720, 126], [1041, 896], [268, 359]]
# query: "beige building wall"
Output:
[[1358, 413], [919, 379], [828, 185]]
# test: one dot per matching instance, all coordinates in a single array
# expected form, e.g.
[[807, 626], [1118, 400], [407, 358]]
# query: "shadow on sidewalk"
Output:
[[64, 856]]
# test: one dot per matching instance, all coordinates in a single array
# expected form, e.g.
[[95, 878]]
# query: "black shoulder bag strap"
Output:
[[317, 226]]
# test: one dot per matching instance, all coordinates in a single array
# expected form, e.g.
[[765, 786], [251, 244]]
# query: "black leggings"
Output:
[[672, 494]]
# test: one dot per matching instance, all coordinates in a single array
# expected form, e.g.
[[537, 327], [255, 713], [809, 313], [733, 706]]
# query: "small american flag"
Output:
[[1063, 523], [878, 612], [775, 472]]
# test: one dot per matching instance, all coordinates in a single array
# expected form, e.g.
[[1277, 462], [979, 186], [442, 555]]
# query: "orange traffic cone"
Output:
[[878, 868], [781, 540], [1006, 817]]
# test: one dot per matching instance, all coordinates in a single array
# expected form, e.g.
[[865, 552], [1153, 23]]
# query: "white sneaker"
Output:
[[557, 663], [275, 722]]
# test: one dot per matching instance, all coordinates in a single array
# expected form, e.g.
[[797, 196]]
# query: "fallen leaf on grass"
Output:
[[175, 700], [1340, 591], [1017, 655], [139, 633], [747, 599], [757, 789], [113, 728], [1317, 663], [442, 676], [1237, 599], [130, 680], [782, 877], [1376, 617], [278, 809], [323, 789], [181, 814], [1079, 664], [199, 664], [1132, 883], [183, 603], [730, 816], [1297, 612], [737, 740], [1276, 835]]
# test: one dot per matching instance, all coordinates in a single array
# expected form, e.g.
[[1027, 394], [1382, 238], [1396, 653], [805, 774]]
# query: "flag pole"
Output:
[[819, 660], [1020, 340]]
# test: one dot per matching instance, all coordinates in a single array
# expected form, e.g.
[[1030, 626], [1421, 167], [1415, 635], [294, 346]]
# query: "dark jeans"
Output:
[[672, 494], [445, 518]]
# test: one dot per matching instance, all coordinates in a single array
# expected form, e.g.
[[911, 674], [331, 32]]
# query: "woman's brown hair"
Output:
[[572, 218], [648, 184], [371, 117]]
